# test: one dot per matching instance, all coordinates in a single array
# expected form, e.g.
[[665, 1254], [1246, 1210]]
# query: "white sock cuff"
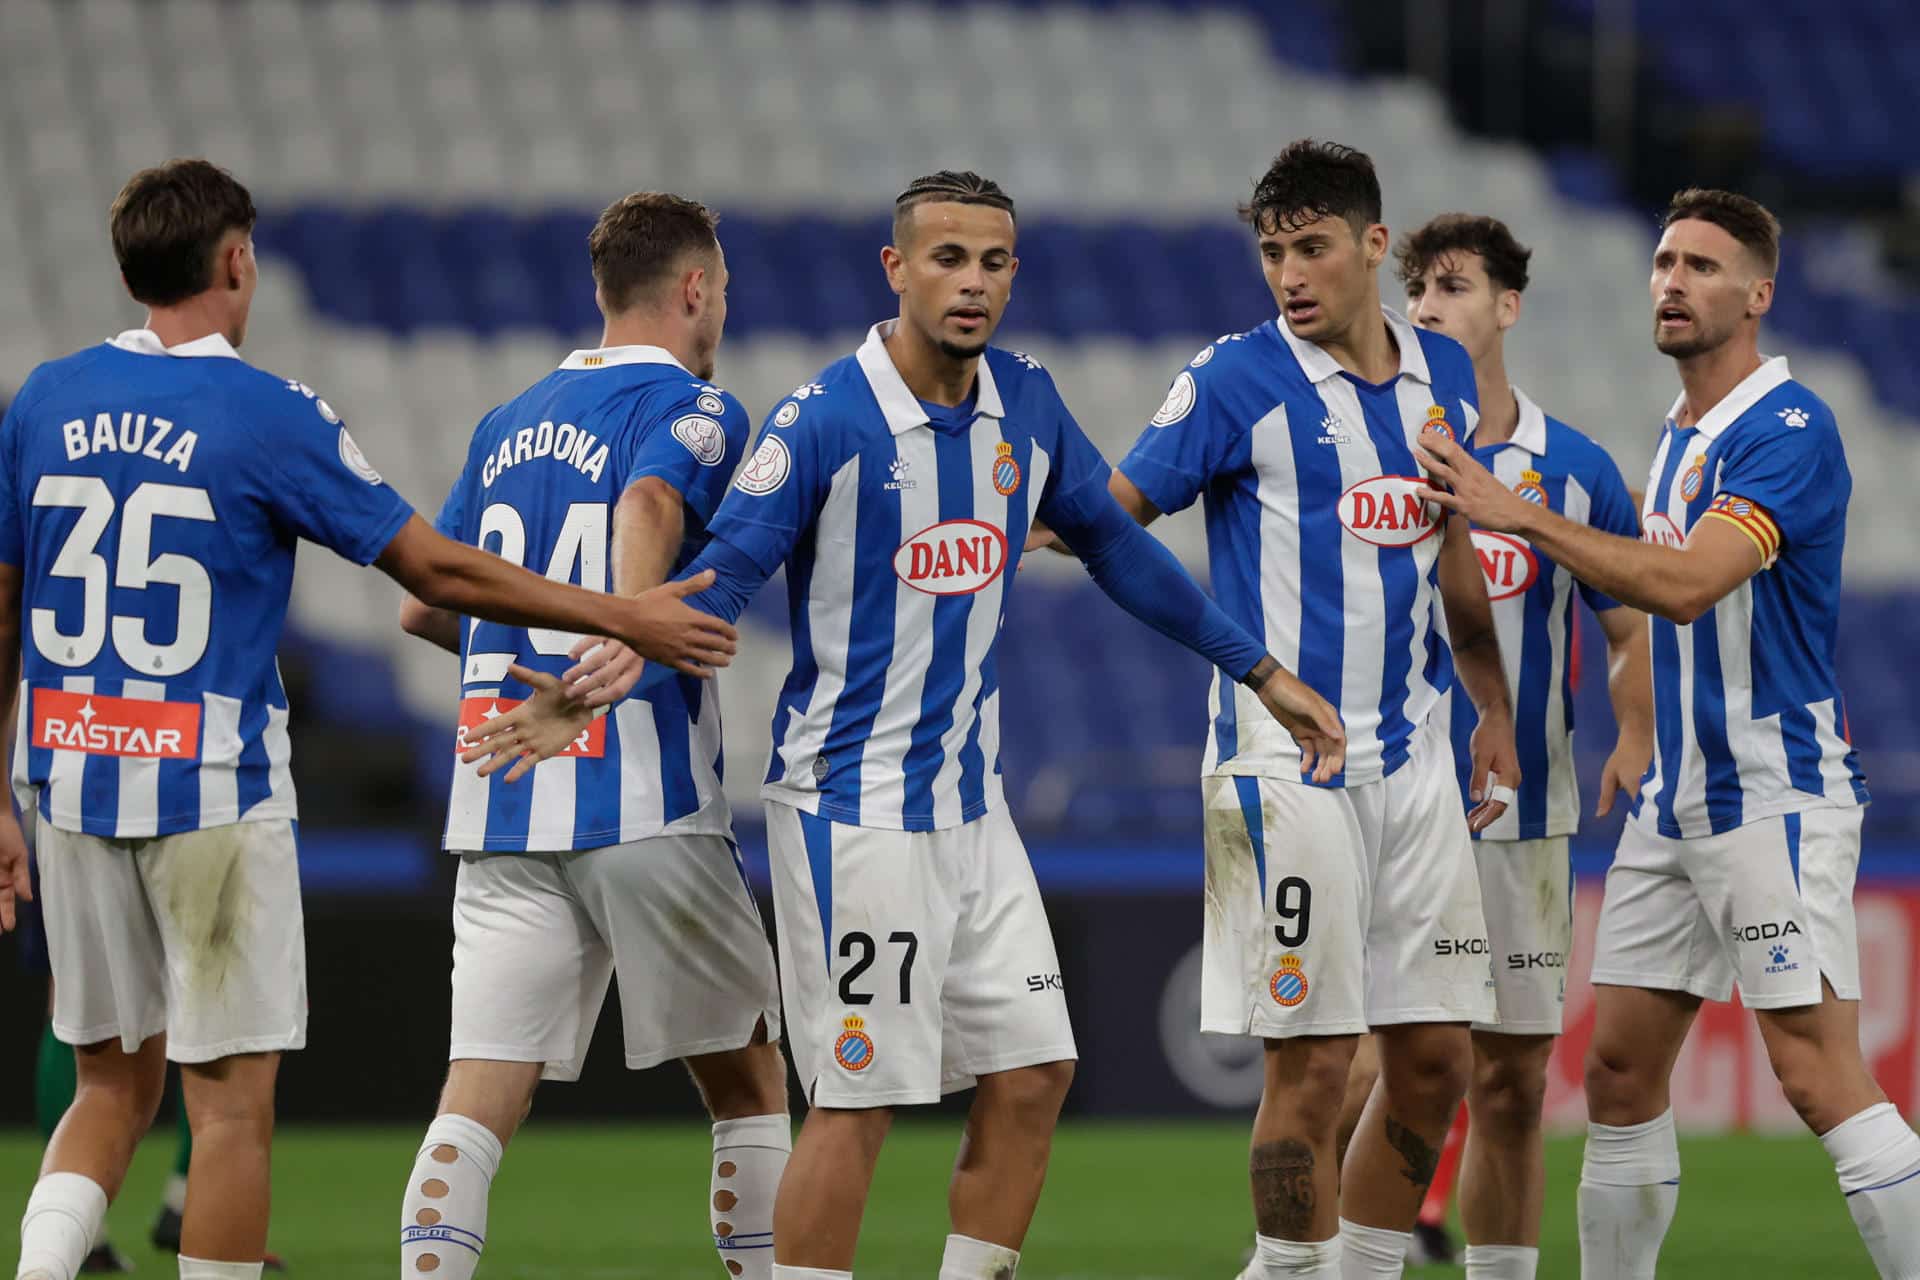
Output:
[[966, 1258], [1296, 1255], [772, 1131], [1379, 1246], [808, 1273], [74, 1194], [1634, 1155], [202, 1269], [467, 1136], [1501, 1262], [1872, 1148]]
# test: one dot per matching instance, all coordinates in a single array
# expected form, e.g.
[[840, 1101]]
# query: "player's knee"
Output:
[[1311, 1077], [1617, 1084], [1509, 1090], [1809, 1081], [1037, 1092], [130, 1085], [1428, 1073]]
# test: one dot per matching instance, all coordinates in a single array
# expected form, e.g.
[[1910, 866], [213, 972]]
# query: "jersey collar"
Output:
[[145, 342], [1319, 366], [607, 357], [898, 405], [1530, 433], [1752, 389]]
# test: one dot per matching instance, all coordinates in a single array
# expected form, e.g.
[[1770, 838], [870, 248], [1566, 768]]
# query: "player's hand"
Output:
[[1623, 771], [603, 671], [1311, 719], [539, 728], [15, 885], [1495, 780], [661, 626], [1041, 537], [1470, 489]]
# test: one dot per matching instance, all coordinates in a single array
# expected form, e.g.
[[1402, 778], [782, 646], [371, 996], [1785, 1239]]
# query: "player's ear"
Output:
[[1509, 312], [894, 263], [1760, 297], [1374, 244]]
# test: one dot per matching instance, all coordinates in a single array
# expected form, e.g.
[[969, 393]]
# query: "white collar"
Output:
[[1319, 366], [146, 342], [607, 357], [1530, 433], [898, 404], [1751, 390]]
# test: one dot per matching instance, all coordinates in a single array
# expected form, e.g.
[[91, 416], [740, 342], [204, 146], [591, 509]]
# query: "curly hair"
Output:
[[1450, 233], [1312, 180]]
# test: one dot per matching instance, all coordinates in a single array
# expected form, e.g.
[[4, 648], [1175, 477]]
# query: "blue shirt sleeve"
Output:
[[1797, 475], [694, 450], [452, 518], [1188, 440], [1610, 509], [1076, 489], [326, 491], [779, 492], [737, 577]]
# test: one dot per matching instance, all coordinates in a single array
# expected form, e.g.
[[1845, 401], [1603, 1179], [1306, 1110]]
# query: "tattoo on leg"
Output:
[[1420, 1156], [1283, 1195]]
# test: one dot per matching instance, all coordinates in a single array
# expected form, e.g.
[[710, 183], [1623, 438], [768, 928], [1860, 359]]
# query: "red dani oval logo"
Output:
[[1660, 530], [1386, 512], [1508, 562], [952, 558]]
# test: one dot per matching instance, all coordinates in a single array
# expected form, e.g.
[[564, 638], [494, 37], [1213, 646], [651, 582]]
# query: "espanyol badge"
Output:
[[1289, 984], [854, 1049], [1006, 472], [1530, 488], [1437, 421]]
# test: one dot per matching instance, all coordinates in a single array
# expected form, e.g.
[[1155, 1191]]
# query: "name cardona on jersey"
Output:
[[566, 443]]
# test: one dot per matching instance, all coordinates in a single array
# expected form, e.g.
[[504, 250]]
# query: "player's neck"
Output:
[[1367, 349], [1499, 407], [930, 373], [1711, 376], [645, 331], [188, 321]]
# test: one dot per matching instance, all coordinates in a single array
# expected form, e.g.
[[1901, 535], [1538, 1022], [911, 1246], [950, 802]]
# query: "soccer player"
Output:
[[1464, 277], [152, 491], [1347, 903], [1738, 864], [618, 854], [915, 956]]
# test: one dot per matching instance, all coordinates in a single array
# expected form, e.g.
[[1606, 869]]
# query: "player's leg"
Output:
[[109, 998], [529, 976], [1428, 978], [864, 931], [1790, 904], [1007, 1032], [1360, 1081], [230, 1105], [705, 992], [1287, 896]]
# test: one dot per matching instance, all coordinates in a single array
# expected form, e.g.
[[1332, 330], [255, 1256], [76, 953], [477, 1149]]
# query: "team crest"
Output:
[[854, 1049], [1690, 482], [1530, 489], [1006, 472], [1437, 421], [1289, 985]]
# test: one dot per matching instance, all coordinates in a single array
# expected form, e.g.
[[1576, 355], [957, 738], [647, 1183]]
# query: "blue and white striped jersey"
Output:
[[1315, 539], [1748, 717], [539, 487], [901, 530], [152, 498], [1548, 462]]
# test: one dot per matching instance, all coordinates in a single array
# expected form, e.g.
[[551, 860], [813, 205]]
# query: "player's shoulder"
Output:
[[1228, 371], [1791, 409], [1448, 364], [1573, 450], [1231, 356], [49, 377], [836, 400]]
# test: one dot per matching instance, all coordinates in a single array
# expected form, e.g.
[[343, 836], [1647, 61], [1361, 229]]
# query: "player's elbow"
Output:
[[1688, 603], [417, 616]]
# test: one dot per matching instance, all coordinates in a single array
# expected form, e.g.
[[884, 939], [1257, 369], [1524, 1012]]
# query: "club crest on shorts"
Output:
[[1006, 472], [1530, 488], [1690, 482], [1289, 984], [854, 1049], [1437, 421]]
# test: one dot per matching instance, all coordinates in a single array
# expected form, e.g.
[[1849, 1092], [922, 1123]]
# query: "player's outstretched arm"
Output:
[[1675, 583], [1476, 656], [659, 625], [436, 626], [15, 884], [1630, 686], [1124, 491]]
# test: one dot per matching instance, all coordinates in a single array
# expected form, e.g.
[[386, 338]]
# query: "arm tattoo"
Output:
[[1283, 1194], [1262, 672], [1475, 640], [1420, 1155]]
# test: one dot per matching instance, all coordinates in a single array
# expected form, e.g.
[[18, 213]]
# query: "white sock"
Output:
[[749, 1155], [201, 1269], [1877, 1157], [969, 1259], [444, 1214], [1501, 1262], [62, 1221], [174, 1196], [1276, 1259], [808, 1273], [1629, 1188], [1367, 1253]]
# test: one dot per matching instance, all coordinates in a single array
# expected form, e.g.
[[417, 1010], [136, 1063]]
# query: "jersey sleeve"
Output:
[[694, 449], [1610, 509], [1076, 490], [781, 488], [1783, 485], [1187, 441], [452, 517], [326, 491]]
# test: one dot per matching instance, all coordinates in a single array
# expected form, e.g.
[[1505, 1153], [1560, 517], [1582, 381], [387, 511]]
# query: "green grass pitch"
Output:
[[1123, 1202]]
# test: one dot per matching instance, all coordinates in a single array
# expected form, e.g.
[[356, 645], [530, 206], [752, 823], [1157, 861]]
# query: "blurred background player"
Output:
[[1349, 903], [1739, 862], [915, 955], [1464, 276], [152, 737], [618, 854]]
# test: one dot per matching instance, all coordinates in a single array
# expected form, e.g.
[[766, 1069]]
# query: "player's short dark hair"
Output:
[[641, 239], [1311, 180], [1742, 217], [950, 186], [166, 224], [1450, 233]]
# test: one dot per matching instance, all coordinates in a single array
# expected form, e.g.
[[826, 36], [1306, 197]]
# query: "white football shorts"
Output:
[[1526, 890], [1332, 910], [912, 962], [538, 936], [1768, 905], [197, 934]]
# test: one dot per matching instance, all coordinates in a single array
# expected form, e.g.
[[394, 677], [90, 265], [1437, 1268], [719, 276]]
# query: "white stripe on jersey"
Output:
[[829, 628], [279, 801], [883, 764], [643, 805], [1272, 448], [64, 774], [140, 775], [550, 804], [220, 747]]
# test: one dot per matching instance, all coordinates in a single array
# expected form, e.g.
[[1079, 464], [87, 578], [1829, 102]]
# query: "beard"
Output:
[[1697, 343], [959, 350]]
